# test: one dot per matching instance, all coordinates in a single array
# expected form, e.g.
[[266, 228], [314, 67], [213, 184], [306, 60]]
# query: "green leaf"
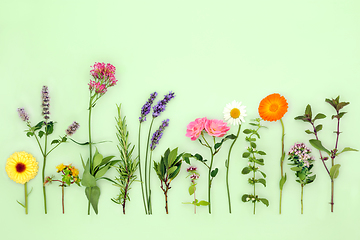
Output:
[[318, 127], [296, 169], [262, 173], [97, 160], [203, 203], [245, 170], [29, 134], [282, 182], [308, 112], [232, 136], [192, 189], [253, 145], [246, 155], [217, 145], [334, 171], [102, 171], [261, 152], [39, 125], [264, 201], [198, 157], [247, 131], [347, 149], [214, 172], [301, 176], [55, 141], [49, 128], [319, 116], [317, 144], [93, 195], [176, 172], [88, 180], [300, 118], [244, 197], [172, 169], [41, 133], [172, 156], [262, 181], [309, 132], [106, 160]]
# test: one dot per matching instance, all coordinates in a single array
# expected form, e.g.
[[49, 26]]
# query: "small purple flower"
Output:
[[72, 128], [145, 110], [23, 115], [45, 102], [160, 106], [194, 176], [191, 168], [158, 134]]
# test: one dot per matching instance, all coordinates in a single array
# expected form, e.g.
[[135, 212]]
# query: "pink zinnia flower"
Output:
[[217, 128], [194, 128]]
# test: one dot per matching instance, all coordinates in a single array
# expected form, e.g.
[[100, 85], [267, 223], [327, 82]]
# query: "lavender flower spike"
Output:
[[72, 128], [145, 110], [45, 102], [160, 106], [23, 115], [158, 134]]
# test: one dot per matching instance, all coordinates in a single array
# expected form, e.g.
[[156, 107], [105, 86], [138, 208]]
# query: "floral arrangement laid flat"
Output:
[[213, 134]]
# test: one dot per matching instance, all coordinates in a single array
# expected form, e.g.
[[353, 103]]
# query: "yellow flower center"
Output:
[[20, 167], [235, 113], [274, 107]]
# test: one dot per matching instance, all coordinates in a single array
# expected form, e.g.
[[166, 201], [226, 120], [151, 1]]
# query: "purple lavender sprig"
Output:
[[72, 128], [160, 106], [45, 102], [145, 110], [158, 134], [23, 114]]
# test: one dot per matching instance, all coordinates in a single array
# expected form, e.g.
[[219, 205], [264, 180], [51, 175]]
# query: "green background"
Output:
[[209, 53]]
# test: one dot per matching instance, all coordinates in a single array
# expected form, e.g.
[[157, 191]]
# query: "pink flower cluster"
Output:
[[213, 127], [104, 77]]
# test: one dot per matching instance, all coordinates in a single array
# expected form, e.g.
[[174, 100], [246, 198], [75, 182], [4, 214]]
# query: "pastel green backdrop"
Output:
[[209, 53]]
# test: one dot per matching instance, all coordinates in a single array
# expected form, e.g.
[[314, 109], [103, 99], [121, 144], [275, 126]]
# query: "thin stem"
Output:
[[149, 202], [228, 166], [194, 200], [90, 149], [147, 185], [254, 183], [282, 160], [141, 181], [209, 179], [302, 193], [63, 205], [333, 155], [26, 199], [321, 157], [43, 180], [54, 148]]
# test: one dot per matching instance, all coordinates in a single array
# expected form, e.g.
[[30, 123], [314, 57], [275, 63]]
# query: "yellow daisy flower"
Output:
[[21, 167]]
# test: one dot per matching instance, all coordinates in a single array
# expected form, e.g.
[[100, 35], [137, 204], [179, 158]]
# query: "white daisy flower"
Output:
[[234, 113]]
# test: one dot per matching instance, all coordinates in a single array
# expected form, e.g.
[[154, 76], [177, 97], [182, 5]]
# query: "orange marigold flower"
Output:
[[273, 107]]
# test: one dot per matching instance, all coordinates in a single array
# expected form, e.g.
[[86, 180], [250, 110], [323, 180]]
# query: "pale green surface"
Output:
[[209, 54]]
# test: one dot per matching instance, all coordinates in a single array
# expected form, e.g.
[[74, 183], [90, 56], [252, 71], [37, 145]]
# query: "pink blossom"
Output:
[[104, 77], [191, 168], [194, 128], [217, 128]]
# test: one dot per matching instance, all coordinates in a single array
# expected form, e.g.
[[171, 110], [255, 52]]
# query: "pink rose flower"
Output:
[[194, 128], [217, 128]]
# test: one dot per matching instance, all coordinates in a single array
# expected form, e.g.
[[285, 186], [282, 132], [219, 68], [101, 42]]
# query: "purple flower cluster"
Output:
[[23, 115], [191, 169], [45, 102], [158, 134], [299, 152], [145, 110], [160, 106], [72, 128]]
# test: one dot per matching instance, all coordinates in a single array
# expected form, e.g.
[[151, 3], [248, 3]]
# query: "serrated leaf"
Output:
[[334, 171], [318, 145], [214, 172], [49, 128], [264, 201], [245, 170]]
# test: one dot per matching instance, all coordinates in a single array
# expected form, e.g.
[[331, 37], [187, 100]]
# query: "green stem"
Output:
[[90, 149], [149, 206], [147, 191], [227, 168], [63, 192], [26, 199], [254, 184], [141, 181], [302, 192], [43, 173], [282, 159]]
